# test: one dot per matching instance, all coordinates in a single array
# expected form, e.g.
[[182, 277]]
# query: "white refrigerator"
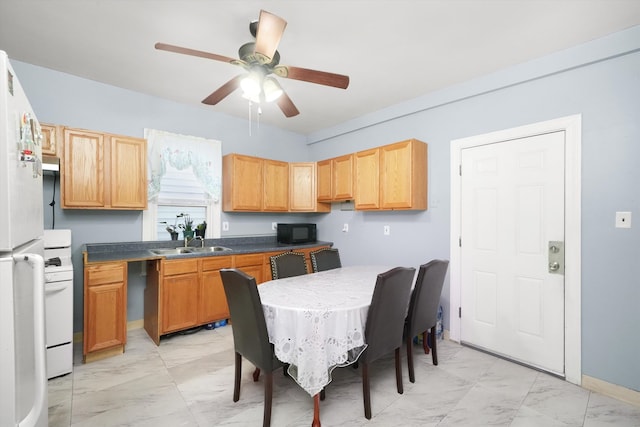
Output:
[[23, 380]]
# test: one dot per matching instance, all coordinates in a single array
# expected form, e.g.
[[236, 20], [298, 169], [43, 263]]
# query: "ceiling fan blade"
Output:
[[223, 91], [193, 52], [286, 105], [312, 76], [270, 29]]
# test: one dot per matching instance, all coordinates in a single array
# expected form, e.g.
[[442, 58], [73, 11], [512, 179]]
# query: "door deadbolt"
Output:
[[556, 257]]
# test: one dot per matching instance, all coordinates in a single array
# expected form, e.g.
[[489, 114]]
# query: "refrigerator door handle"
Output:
[[37, 263]]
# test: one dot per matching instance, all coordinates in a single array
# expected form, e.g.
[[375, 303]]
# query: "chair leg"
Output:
[[412, 376], [256, 375], [398, 372], [425, 342], [366, 391], [236, 383], [434, 346], [268, 394]]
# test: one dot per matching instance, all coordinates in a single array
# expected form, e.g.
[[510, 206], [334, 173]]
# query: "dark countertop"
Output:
[[141, 251]]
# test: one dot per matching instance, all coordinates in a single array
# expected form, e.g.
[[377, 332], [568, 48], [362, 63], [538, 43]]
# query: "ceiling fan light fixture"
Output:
[[271, 89], [251, 85]]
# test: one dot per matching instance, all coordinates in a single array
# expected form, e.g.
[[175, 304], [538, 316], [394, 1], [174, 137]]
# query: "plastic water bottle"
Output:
[[439, 329]]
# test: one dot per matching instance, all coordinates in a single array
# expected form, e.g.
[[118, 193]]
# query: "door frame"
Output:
[[572, 126]]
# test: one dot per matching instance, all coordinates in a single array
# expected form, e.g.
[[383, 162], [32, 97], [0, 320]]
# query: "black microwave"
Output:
[[296, 233]]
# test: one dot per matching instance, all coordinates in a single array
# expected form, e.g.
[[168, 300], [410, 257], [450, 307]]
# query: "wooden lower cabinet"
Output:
[[213, 302], [184, 293], [180, 295], [105, 310], [253, 265]]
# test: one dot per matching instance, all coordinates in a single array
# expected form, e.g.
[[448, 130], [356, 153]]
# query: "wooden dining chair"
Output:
[[250, 336], [288, 264], [325, 259], [385, 323], [423, 309]]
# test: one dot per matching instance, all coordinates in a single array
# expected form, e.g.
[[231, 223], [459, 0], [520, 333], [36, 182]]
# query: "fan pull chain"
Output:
[[249, 118]]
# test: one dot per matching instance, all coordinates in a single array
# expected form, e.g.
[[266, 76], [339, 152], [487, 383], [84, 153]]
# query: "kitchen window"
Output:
[[184, 177]]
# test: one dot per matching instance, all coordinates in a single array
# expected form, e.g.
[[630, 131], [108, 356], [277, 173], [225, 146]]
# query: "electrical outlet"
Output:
[[623, 219], [387, 230], [345, 228], [225, 226], [274, 225]]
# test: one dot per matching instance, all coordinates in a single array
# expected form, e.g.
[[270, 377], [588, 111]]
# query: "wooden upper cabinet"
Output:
[[335, 179], [391, 177], [403, 175], [325, 178], [103, 171], [342, 174], [302, 188], [242, 183], [83, 161], [367, 182], [128, 172], [254, 184], [276, 186], [50, 138]]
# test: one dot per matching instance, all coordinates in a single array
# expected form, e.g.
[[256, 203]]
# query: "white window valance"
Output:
[[204, 156]]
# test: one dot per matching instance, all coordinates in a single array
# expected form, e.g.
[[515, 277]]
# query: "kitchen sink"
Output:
[[210, 249], [189, 250], [172, 251]]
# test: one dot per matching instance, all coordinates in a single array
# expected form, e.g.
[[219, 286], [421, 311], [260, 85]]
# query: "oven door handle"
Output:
[[49, 289]]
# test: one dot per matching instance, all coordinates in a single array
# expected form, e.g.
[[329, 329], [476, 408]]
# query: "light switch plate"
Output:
[[387, 230], [274, 225], [623, 219], [225, 226]]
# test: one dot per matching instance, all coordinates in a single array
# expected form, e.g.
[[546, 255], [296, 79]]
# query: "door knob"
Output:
[[554, 266]]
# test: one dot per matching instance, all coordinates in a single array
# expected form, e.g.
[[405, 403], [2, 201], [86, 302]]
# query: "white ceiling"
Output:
[[392, 50]]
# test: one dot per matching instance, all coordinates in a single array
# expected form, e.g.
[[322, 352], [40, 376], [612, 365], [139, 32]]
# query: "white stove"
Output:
[[58, 277]]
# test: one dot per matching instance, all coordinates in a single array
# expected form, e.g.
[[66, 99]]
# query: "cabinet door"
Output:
[[403, 175], [342, 185], [242, 183], [105, 306], [302, 189], [275, 185], [325, 177], [367, 191], [84, 169], [179, 302], [213, 301], [128, 173], [49, 139]]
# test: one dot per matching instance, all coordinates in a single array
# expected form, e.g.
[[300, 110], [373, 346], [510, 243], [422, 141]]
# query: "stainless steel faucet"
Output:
[[188, 240]]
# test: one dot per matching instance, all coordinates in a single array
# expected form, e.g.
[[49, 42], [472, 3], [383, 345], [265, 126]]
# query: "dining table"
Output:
[[316, 322]]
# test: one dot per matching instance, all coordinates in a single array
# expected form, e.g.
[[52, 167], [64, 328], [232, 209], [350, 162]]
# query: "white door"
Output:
[[512, 206]]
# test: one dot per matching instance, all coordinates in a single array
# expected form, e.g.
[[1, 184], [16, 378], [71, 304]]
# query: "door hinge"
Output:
[[460, 241], [459, 312], [460, 169]]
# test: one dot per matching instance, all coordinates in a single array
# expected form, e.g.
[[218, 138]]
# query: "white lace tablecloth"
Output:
[[316, 321]]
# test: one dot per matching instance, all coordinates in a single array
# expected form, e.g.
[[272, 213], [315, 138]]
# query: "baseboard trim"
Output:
[[134, 324], [611, 390]]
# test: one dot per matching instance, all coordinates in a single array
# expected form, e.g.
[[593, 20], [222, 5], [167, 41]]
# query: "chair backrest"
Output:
[[288, 264], [250, 336], [425, 299], [325, 259], [385, 319]]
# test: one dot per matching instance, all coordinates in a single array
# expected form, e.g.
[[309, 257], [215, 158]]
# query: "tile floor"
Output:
[[188, 381]]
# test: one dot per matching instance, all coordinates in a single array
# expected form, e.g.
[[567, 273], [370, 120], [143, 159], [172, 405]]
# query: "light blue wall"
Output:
[[600, 80]]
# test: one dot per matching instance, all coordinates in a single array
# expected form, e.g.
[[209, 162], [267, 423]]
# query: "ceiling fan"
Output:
[[261, 59]]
